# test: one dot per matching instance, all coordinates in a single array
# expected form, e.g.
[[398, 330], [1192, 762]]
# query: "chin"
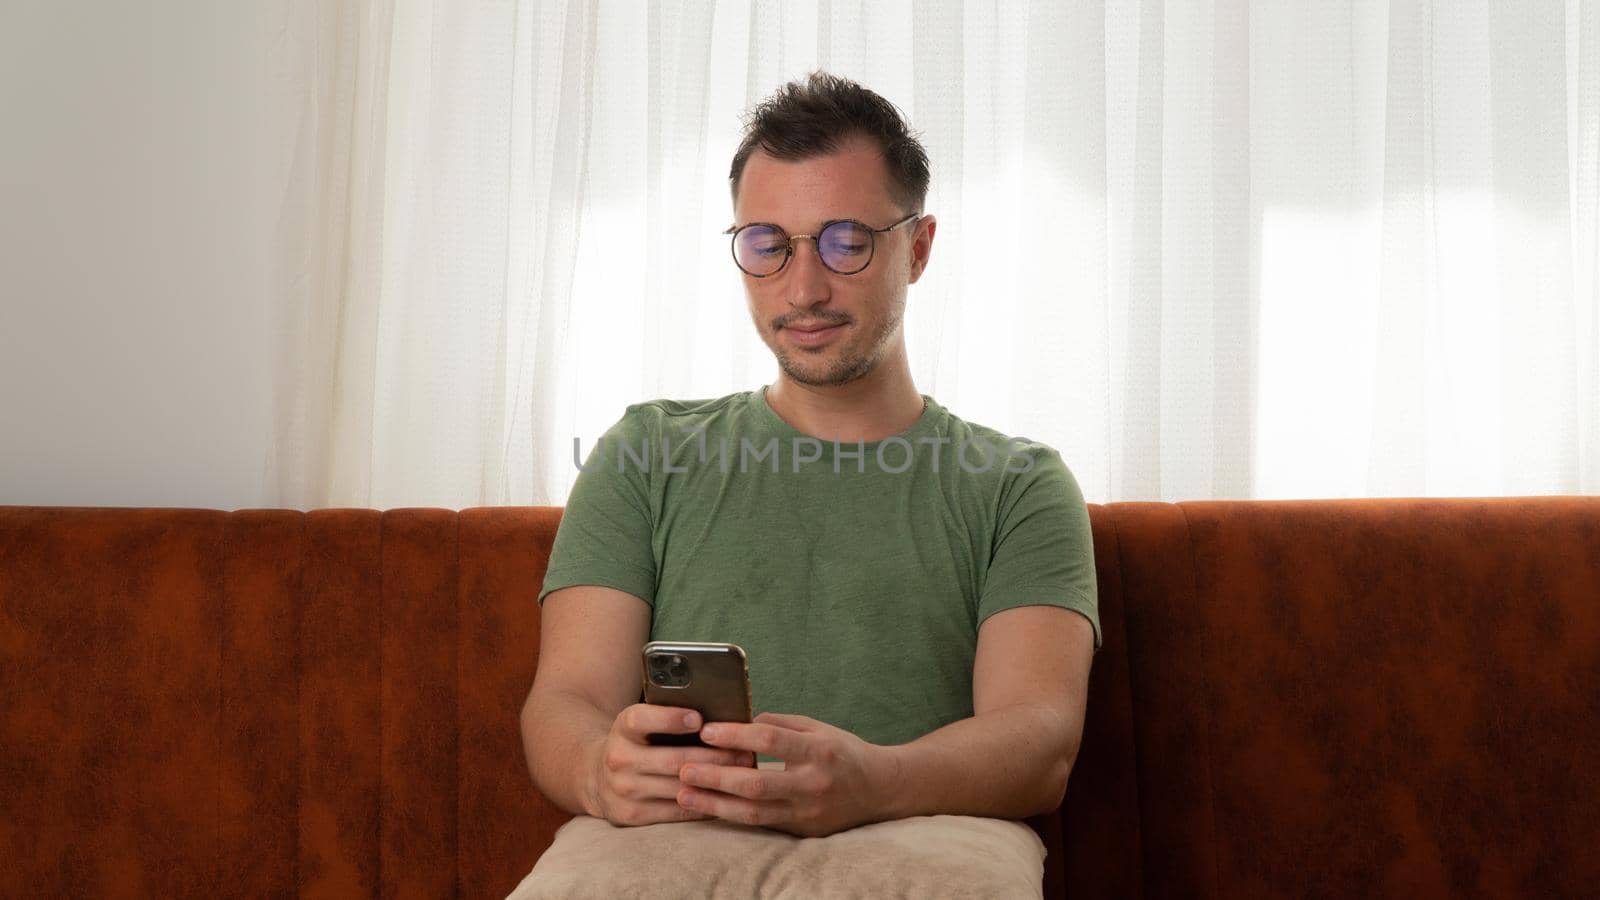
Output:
[[824, 376]]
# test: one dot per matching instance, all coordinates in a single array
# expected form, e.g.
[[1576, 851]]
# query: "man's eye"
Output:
[[773, 250], [848, 249]]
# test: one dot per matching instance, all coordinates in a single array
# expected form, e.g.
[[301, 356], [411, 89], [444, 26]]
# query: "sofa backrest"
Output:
[[1353, 698], [1343, 697], [200, 703]]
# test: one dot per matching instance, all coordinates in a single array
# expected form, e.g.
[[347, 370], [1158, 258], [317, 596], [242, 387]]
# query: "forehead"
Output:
[[850, 183]]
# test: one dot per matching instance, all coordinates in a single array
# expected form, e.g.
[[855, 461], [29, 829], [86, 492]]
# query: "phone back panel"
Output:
[[718, 684]]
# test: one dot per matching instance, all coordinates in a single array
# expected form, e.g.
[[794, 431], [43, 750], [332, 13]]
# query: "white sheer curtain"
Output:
[[1215, 249]]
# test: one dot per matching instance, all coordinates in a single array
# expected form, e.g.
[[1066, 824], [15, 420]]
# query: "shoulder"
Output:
[[1014, 458], [652, 416]]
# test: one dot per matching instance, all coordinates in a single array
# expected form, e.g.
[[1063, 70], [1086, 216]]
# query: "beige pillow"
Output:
[[926, 856]]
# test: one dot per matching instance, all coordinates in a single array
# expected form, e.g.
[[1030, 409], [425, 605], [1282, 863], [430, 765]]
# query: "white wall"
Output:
[[133, 238]]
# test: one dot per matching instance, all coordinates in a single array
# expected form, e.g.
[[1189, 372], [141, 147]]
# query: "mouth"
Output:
[[813, 333]]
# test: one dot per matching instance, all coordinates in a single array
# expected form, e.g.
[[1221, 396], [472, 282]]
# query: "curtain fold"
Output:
[[1212, 249]]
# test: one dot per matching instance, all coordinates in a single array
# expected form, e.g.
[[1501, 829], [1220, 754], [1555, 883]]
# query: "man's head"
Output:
[[820, 151], [806, 119]]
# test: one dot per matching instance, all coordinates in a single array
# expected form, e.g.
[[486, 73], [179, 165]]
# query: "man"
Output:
[[919, 625]]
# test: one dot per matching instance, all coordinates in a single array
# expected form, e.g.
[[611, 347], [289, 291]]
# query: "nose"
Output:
[[807, 276]]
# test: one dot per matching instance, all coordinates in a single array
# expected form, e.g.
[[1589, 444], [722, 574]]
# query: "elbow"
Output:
[[526, 712], [1053, 791], [1048, 792], [527, 728], [525, 717]]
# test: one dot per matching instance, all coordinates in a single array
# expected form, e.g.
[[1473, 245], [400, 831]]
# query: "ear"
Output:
[[922, 246]]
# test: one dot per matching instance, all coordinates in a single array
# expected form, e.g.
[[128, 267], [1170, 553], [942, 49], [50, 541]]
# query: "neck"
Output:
[[880, 404]]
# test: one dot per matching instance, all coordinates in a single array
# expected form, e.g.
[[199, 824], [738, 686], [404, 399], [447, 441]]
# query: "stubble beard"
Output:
[[850, 365], [847, 369]]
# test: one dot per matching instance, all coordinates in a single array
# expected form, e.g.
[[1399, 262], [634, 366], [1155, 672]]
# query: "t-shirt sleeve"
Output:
[[1044, 548], [605, 536]]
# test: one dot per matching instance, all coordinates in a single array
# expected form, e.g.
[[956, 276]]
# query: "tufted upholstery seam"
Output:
[[1133, 704], [455, 658], [297, 598], [225, 546], [383, 596], [1205, 709], [1127, 656]]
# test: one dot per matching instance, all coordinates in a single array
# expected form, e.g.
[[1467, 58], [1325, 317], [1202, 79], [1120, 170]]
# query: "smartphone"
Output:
[[712, 679]]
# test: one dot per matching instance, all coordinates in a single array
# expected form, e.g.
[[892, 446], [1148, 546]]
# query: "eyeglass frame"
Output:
[[788, 253]]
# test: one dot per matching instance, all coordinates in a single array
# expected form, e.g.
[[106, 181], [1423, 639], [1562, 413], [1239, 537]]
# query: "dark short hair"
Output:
[[810, 118]]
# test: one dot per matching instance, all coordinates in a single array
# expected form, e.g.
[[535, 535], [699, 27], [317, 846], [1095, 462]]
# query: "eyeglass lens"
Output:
[[761, 250]]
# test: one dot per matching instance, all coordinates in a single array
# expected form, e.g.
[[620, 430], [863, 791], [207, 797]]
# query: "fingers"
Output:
[[642, 788], [643, 719], [656, 811], [668, 761], [734, 808], [632, 798], [748, 783], [759, 737], [638, 782], [785, 720]]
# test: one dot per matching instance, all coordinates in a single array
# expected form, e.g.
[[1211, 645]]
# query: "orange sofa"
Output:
[[1344, 698]]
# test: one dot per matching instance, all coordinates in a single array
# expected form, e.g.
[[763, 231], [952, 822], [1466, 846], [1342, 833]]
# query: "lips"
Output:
[[813, 333]]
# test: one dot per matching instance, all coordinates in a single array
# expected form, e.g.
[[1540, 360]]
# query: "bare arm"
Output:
[[589, 638], [582, 727], [1011, 759]]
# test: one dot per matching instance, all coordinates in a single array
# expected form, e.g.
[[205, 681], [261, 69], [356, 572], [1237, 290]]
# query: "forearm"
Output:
[[562, 736], [1007, 763]]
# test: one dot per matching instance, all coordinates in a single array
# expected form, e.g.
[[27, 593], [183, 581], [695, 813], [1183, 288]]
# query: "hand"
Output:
[[832, 779], [636, 783]]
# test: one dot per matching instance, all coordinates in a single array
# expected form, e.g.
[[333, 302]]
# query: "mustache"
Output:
[[786, 321]]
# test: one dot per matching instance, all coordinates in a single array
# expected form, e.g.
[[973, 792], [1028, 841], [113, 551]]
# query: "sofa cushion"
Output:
[[925, 856]]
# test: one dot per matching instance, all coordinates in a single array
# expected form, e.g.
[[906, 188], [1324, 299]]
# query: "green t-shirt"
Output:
[[854, 576]]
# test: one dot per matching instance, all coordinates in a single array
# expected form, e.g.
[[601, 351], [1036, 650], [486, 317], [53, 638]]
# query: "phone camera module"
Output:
[[669, 670]]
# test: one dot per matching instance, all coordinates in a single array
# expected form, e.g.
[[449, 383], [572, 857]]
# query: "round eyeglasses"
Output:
[[845, 246]]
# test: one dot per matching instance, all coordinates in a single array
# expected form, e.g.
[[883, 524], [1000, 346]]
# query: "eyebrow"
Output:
[[820, 225]]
